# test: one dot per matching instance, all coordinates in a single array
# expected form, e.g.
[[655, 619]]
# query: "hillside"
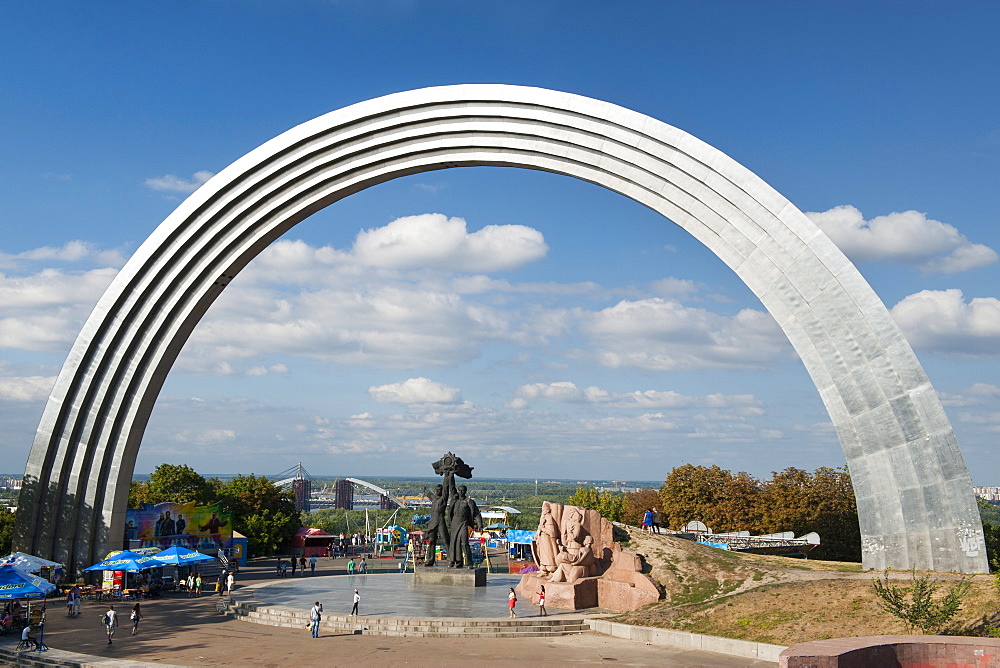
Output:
[[773, 599]]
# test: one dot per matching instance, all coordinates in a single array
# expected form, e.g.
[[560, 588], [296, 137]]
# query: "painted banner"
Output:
[[185, 524]]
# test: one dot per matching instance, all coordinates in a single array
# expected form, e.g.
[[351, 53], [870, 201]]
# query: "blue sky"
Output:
[[605, 343]]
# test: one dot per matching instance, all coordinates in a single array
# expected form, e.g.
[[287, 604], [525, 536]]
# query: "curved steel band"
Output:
[[913, 488]]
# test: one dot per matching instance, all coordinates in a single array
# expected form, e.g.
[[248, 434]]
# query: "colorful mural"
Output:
[[184, 524]]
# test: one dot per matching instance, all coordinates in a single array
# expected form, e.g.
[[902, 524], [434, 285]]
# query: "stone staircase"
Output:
[[411, 627]]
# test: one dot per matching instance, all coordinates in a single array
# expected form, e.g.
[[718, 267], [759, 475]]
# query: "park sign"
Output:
[[164, 525]]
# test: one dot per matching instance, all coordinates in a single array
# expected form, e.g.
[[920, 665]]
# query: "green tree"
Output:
[[713, 495], [637, 503], [6, 531], [916, 605], [263, 512], [611, 506], [178, 483], [823, 501]]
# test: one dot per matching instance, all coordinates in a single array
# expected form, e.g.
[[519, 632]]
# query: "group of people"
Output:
[[111, 620], [651, 521], [359, 568], [301, 563], [512, 602]]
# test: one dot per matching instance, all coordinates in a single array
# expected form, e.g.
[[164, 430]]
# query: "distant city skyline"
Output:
[[537, 325]]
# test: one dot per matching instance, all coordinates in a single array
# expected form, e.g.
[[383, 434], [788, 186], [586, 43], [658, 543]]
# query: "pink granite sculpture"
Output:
[[582, 566]]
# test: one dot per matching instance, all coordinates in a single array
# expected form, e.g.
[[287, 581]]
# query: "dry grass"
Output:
[[773, 599]]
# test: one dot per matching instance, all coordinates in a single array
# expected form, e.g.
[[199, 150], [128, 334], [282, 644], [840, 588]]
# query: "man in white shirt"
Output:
[[315, 615], [111, 621], [357, 599], [26, 636]]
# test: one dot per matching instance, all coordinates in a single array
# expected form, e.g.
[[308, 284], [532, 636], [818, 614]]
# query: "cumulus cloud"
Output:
[[908, 237], [433, 240], [942, 321], [664, 335], [72, 251], [416, 391], [977, 394], [674, 288], [206, 437], [44, 311], [26, 388], [568, 392], [174, 184], [391, 327]]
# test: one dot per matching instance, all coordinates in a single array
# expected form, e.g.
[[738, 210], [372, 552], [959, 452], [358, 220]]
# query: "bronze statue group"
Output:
[[453, 513]]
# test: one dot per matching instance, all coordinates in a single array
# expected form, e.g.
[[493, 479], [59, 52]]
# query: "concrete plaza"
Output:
[[177, 630]]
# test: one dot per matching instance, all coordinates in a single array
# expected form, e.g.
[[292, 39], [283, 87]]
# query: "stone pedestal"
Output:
[[566, 595], [456, 577]]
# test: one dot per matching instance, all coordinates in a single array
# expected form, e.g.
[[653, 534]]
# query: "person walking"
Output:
[[70, 602], [363, 566], [350, 566], [315, 616], [312, 564], [197, 585], [135, 617], [284, 569], [302, 564], [111, 622], [647, 521], [190, 584], [77, 600], [541, 602], [220, 586], [511, 602], [357, 599], [294, 563], [230, 582]]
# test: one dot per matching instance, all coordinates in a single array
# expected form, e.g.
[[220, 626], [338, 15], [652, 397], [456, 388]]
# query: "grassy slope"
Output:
[[772, 599]]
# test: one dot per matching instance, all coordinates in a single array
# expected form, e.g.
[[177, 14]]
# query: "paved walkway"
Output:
[[189, 631]]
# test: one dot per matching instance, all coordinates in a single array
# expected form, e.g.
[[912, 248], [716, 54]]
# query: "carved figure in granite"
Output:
[[547, 540], [581, 566]]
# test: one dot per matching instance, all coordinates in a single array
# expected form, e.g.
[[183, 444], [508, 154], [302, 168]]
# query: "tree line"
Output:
[[791, 500], [261, 511]]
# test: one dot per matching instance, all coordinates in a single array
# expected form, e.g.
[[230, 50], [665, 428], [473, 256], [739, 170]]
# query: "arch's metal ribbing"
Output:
[[913, 489]]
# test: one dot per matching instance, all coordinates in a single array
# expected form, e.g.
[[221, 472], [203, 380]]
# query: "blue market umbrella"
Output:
[[15, 583], [125, 561], [180, 556]]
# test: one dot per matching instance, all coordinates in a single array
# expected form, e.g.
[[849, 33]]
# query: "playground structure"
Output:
[[784, 543]]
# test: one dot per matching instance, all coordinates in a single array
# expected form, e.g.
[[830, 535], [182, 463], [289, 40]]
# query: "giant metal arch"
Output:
[[913, 489]]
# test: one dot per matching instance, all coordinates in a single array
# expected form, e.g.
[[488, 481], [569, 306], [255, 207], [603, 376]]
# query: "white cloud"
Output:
[[665, 336], [674, 288], [26, 388], [909, 237], [206, 437], [416, 391], [977, 394], [45, 311], [942, 321], [71, 251], [433, 240], [264, 370], [174, 184], [568, 392]]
